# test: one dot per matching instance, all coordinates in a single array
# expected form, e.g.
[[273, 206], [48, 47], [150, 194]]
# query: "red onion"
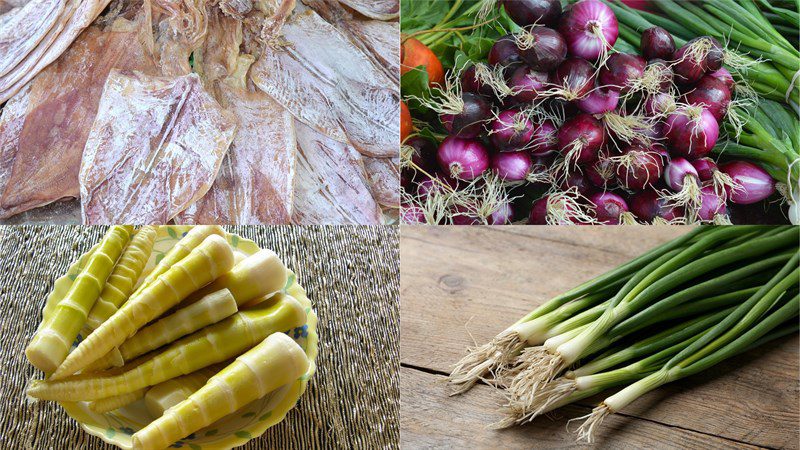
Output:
[[423, 153], [658, 77], [529, 12], [577, 181], [638, 167], [580, 138], [463, 216], [609, 207], [621, 71], [711, 205], [545, 140], [502, 216], [542, 48], [753, 183], [560, 208], [602, 173], [469, 122], [691, 60], [648, 205], [712, 94], [657, 43], [471, 82], [504, 52], [716, 55], [511, 131], [659, 104], [705, 167], [437, 184], [590, 29], [511, 166], [691, 132], [463, 158], [682, 178], [723, 75], [539, 173], [575, 76], [528, 83], [412, 215], [599, 101]]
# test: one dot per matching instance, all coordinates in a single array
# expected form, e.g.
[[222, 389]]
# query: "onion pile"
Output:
[[598, 136]]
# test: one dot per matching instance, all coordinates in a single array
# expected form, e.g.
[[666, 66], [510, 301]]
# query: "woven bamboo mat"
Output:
[[352, 276]]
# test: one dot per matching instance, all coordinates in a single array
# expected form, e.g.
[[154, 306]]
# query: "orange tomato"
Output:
[[405, 122], [414, 53]]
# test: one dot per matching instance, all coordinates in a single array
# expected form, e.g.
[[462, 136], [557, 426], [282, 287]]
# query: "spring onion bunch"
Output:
[[673, 312]]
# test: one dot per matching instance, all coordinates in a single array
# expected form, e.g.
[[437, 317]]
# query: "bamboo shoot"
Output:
[[51, 343], [193, 238], [164, 396], [209, 310], [107, 404], [122, 280], [276, 361], [260, 274], [205, 263], [211, 345]]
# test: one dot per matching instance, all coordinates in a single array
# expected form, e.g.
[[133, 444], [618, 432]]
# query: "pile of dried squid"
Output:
[[199, 111]]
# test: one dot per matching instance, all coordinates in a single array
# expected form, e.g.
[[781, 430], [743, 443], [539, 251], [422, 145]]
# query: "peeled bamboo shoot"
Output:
[[276, 361], [211, 345], [164, 396], [122, 280], [182, 248], [209, 310], [204, 264], [107, 404], [51, 343], [260, 274]]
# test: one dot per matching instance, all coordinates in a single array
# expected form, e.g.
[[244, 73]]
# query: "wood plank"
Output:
[[430, 419], [460, 283]]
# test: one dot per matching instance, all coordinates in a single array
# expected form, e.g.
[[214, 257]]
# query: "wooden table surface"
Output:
[[460, 283]]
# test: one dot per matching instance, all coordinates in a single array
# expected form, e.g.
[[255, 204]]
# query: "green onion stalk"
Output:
[[762, 313], [541, 364], [562, 314], [732, 287]]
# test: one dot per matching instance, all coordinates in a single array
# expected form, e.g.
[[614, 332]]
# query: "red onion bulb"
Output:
[[753, 183], [590, 29], [464, 159]]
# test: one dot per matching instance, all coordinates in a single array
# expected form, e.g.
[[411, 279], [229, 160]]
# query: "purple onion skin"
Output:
[[529, 12], [648, 204], [723, 75], [545, 140], [715, 57], [469, 83], [511, 166], [586, 129], [412, 215], [608, 207], [427, 185], [548, 50], [756, 184], [645, 171], [711, 204], [578, 181], [620, 70], [538, 214], [601, 174], [687, 70], [424, 155], [576, 23], [664, 70], [676, 171], [470, 122], [465, 159], [505, 137], [658, 104], [504, 51], [529, 83], [599, 101], [712, 94], [657, 43], [503, 216], [689, 138], [705, 167], [576, 75], [463, 217]]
